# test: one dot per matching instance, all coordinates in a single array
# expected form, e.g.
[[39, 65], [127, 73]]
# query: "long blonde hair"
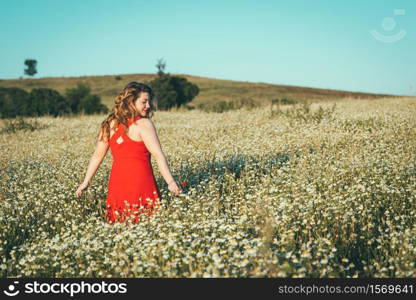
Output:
[[124, 108]]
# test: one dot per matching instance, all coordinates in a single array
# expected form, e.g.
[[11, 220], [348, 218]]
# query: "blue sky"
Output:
[[324, 44]]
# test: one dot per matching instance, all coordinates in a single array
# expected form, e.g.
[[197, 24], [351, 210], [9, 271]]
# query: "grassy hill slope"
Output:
[[211, 90]]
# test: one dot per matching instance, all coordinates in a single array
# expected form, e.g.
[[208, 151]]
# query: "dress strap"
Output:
[[118, 132], [121, 127], [131, 121]]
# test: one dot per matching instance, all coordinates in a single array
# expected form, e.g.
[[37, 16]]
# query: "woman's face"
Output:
[[142, 104]]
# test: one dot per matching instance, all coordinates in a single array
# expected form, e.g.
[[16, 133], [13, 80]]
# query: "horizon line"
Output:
[[178, 74]]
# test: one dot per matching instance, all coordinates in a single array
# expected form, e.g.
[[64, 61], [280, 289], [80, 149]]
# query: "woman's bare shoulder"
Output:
[[144, 122], [145, 125]]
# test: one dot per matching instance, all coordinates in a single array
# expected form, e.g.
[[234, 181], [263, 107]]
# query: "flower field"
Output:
[[319, 190]]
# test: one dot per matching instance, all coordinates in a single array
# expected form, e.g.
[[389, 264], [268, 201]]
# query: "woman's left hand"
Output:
[[81, 188]]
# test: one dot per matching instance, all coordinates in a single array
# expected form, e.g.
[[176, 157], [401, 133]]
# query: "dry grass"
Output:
[[270, 194]]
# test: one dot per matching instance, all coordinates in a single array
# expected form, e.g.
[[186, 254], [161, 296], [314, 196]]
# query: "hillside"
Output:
[[211, 90]]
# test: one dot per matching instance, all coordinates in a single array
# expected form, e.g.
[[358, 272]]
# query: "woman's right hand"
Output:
[[82, 187], [173, 187]]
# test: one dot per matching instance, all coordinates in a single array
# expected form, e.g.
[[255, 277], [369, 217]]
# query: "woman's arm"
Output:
[[95, 161], [151, 140]]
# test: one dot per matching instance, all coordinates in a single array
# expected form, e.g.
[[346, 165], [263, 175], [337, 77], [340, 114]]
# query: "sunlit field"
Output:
[[326, 190]]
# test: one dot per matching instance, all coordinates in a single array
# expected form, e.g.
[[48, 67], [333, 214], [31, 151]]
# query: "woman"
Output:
[[132, 137]]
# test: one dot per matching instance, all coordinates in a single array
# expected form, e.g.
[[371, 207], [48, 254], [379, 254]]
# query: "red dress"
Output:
[[132, 187]]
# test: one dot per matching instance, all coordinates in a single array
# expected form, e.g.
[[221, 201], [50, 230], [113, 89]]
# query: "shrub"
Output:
[[41, 101], [172, 91], [284, 100], [47, 102], [303, 112], [223, 106], [74, 95], [18, 124], [218, 107], [92, 104], [13, 102], [82, 101], [246, 103]]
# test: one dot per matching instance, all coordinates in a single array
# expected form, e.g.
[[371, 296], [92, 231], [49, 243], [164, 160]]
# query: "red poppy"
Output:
[[183, 183]]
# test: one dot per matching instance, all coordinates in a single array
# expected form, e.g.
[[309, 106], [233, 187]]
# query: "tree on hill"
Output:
[[31, 67], [172, 91], [160, 67]]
